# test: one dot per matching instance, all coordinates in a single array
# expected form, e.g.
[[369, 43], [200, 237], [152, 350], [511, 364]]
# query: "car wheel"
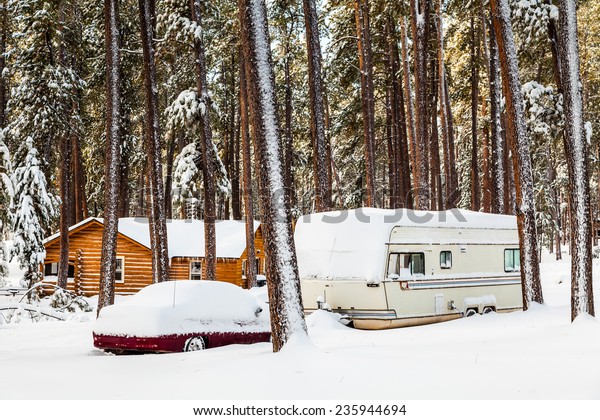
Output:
[[194, 344], [488, 309]]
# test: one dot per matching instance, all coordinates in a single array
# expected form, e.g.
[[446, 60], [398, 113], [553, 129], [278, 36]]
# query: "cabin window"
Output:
[[196, 270], [51, 269], [402, 265], [512, 260], [446, 259], [244, 265], [120, 270]]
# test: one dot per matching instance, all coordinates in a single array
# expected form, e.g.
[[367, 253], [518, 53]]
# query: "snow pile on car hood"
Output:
[[180, 307]]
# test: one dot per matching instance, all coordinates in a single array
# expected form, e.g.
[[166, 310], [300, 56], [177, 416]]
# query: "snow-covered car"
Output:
[[176, 316]]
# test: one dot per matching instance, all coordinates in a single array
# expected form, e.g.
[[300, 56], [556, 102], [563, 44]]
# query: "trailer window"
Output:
[[446, 259], [512, 260], [402, 265]]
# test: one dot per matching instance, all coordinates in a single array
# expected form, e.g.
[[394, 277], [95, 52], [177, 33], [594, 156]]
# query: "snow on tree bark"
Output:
[[247, 177], [419, 19], [576, 151], [157, 217], [475, 191], [518, 139], [498, 170], [322, 166], [113, 154], [206, 147], [365, 62], [287, 318]]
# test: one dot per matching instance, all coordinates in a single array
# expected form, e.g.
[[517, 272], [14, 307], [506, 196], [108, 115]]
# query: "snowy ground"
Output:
[[538, 354]]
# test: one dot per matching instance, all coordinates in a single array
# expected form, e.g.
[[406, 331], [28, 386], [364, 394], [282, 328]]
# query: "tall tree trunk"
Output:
[[518, 140], [475, 192], [498, 147], [288, 135], [285, 300], [434, 145], [236, 210], [452, 193], [576, 151], [157, 219], [403, 187], [113, 154], [487, 189], [410, 111], [206, 147], [171, 143], [322, 166], [365, 62], [251, 269], [3, 85], [419, 22]]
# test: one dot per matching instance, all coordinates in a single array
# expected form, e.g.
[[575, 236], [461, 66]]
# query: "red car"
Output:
[[179, 316]]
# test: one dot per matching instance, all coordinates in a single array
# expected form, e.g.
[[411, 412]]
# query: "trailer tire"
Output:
[[488, 309], [470, 312]]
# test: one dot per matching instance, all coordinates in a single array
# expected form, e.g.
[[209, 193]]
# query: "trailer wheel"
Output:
[[470, 312], [488, 309]]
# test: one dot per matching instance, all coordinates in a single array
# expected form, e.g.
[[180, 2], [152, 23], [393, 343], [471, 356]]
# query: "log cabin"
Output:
[[134, 261]]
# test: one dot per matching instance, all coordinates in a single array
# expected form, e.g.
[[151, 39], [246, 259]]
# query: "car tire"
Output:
[[488, 309], [194, 344]]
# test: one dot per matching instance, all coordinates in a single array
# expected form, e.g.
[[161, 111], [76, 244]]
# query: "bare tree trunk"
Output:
[[410, 111], [113, 154], [322, 166], [288, 136], [576, 151], [475, 192], [169, 178], [452, 193], [236, 206], [498, 146], [206, 147], [251, 269], [157, 219], [285, 300], [518, 140], [401, 159], [365, 62], [419, 18], [435, 167]]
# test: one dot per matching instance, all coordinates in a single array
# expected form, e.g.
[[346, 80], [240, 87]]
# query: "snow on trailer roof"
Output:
[[185, 237], [351, 244]]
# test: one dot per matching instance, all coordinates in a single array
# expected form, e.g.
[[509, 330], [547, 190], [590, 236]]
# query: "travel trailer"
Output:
[[394, 268]]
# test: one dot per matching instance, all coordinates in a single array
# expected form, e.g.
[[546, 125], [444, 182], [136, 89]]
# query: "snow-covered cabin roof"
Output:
[[185, 237], [352, 243]]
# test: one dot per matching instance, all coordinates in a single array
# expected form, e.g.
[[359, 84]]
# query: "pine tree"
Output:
[[157, 217], [518, 141], [419, 22], [322, 166], [6, 201], [113, 154], [286, 311], [576, 150], [34, 210], [206, 147]]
